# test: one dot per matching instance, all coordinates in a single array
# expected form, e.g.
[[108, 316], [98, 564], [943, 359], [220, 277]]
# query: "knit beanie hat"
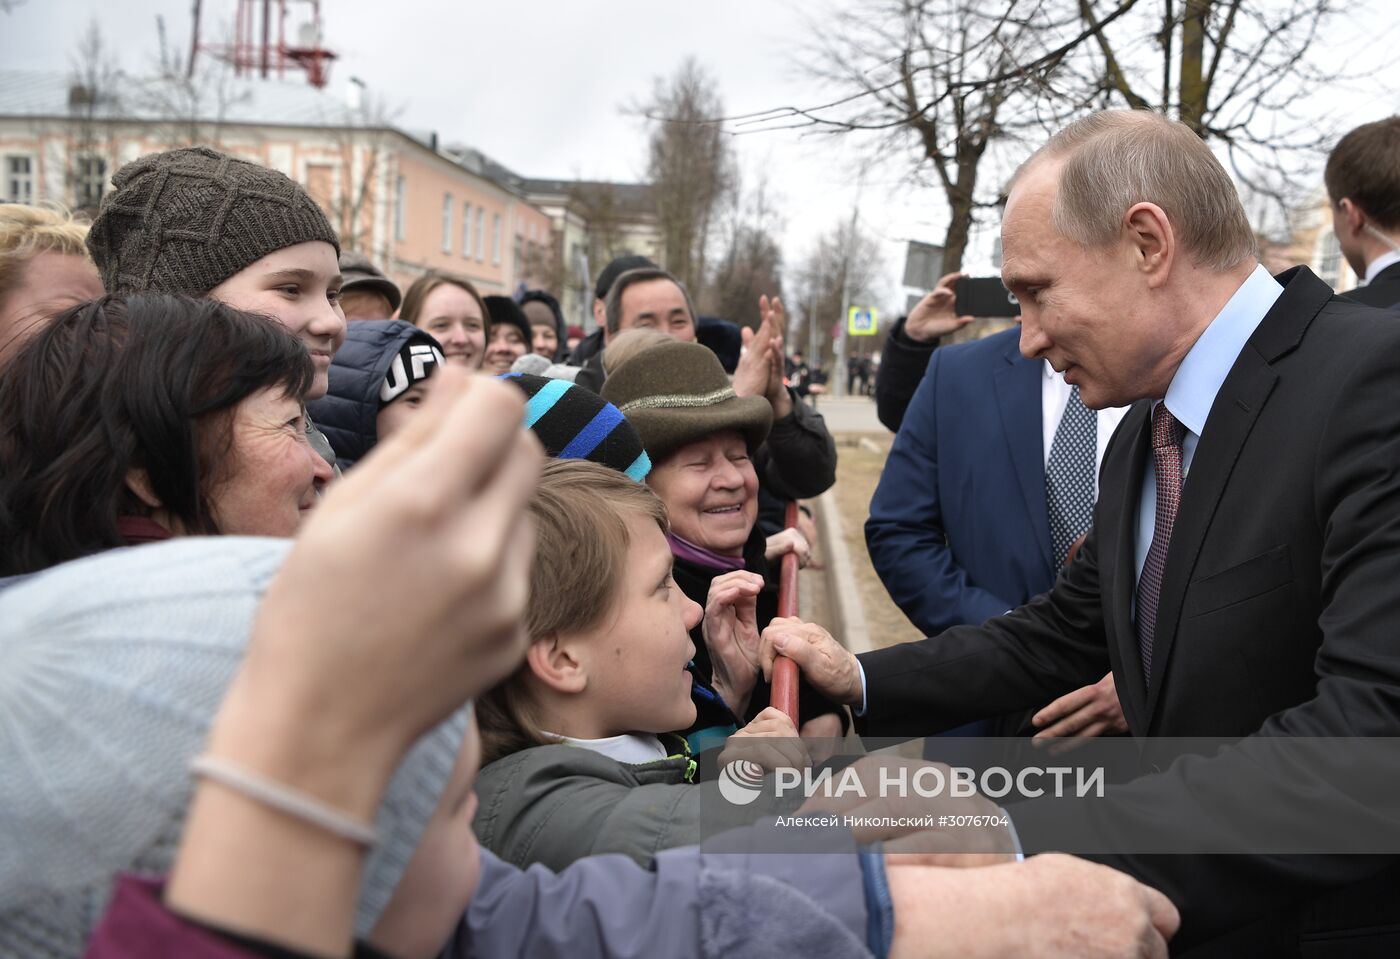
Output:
[[185, 220], [505, 311], [416, 360], [675, 393], [358, 272], [537, 365], [617, 267], [723, 338], [575, 423], [111, 670]]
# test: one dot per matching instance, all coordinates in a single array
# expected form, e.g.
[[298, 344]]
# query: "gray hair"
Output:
[[612, 306], [1117, 158]]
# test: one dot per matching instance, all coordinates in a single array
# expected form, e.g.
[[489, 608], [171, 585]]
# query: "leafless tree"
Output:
[[752, 262], [94, 84], [611, 210], [190, 105], [361, 132], [690, 166], [942, 83], [842, 259], [1238, 72], [951, 84]]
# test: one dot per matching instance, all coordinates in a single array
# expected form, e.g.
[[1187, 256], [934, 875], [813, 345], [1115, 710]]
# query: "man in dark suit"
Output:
[[1240, 577], [1363, 183], [960, 526]]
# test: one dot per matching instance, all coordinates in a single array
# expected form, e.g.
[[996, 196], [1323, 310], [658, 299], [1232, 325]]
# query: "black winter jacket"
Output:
[[347, 413], [902, 365]]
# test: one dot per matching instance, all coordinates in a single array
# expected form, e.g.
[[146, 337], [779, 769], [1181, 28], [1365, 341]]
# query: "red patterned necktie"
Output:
[[1167, 433]]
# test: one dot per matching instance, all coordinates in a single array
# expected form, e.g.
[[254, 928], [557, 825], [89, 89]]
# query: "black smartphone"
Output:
[[984, 296]]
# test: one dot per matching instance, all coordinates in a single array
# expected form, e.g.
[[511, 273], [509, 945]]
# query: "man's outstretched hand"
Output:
[[825, 663]]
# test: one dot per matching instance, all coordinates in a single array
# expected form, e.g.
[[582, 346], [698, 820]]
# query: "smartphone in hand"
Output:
[[984, 296]]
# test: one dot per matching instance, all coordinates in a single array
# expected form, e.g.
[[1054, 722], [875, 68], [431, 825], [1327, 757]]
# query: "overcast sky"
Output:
[[538, 84]]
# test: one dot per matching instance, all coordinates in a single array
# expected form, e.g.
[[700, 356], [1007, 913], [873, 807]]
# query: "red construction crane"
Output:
[[252, 51]]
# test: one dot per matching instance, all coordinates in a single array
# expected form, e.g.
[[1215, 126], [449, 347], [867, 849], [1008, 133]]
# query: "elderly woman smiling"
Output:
[[139, 418], [703, 440]]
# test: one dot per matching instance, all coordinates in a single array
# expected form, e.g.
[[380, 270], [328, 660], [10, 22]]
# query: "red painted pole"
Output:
[[784, 693]]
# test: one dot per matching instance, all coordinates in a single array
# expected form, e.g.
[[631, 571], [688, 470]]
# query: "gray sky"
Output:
[[537, 84]]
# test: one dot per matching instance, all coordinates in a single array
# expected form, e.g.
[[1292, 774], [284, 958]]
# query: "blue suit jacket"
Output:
[[958, 530]]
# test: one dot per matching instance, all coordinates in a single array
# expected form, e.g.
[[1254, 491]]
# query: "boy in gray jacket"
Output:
[[579, 755]]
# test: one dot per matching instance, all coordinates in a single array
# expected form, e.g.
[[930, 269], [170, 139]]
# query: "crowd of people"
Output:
[[309, 648]]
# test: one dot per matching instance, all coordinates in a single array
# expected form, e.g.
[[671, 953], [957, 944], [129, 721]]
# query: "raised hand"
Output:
[[731, 635], [934, 315], [761, 367], [401, 599]]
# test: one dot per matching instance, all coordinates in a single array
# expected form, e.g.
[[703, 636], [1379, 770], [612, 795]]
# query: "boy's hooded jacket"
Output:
[[347, 413]]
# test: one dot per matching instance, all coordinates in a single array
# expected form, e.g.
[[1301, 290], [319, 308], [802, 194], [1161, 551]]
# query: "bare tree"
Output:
[[1238, 72], [691, 168], [950, 84], [752, 262], [941, 82], [193, 104], [614, 213], [842, 259], [94, 82], [360, 133]]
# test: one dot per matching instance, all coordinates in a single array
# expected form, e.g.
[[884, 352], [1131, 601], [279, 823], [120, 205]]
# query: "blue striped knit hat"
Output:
[[575, 423]]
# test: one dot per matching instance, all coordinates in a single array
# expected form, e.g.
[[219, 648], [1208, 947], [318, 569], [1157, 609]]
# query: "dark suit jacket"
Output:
[[1278, 618], [1383, 291], [958, 528]]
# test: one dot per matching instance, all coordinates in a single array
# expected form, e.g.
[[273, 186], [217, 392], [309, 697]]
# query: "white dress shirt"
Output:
[[1054, 397], [1380, 263], [1198, 379]]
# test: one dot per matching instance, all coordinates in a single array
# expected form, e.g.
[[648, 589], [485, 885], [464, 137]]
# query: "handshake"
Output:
[[1048, 905]]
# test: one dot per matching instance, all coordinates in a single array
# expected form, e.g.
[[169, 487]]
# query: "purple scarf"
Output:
[[699, 555]]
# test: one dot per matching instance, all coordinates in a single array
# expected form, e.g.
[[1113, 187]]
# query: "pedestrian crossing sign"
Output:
[[862, 321]]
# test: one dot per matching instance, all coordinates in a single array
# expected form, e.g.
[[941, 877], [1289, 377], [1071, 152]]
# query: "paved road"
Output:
[[854, 414]]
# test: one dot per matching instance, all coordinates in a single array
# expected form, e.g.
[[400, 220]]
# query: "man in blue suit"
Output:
[[960, 526]]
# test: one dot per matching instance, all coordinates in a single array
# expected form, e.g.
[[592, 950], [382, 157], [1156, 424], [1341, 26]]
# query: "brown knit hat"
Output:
[[675, 393], [185, 220]]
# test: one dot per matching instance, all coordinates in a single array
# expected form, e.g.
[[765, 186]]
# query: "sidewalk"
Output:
[[846, 596], [850, 414]]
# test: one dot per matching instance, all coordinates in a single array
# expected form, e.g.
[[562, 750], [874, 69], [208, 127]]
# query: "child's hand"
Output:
[[770, 741], [731, 635]]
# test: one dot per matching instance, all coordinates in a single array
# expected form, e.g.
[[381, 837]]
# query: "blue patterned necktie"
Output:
[[1069, 476]]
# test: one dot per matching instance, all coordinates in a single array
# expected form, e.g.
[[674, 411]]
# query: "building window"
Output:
[[480, 234], [400, 201], [91, 181], [496, 240], [1329, 258], [466, 231], [19, 179], [447, 206]]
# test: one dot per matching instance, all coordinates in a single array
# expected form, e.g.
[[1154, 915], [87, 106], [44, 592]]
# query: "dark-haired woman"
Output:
[[143, 417]]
